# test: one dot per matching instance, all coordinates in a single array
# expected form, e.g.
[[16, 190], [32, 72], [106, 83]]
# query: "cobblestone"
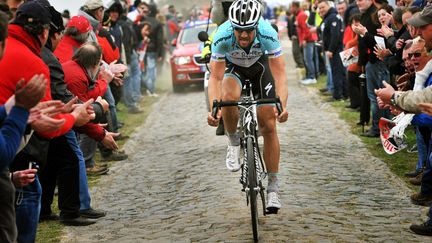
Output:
[[175, 188]]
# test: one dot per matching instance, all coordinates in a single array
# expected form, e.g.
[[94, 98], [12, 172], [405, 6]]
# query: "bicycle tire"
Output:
[[252, 184]]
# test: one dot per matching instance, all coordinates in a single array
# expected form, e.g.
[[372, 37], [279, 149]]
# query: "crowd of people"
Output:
[[62, 78], [368, 49]]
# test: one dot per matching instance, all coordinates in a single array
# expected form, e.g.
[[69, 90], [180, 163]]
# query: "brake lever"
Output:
[[215, 109], [279, 105]]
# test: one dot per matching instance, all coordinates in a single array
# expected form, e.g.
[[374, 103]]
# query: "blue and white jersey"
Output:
[[225, 45]]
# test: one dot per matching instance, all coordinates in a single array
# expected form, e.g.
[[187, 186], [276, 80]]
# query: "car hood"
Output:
[[187, 50]]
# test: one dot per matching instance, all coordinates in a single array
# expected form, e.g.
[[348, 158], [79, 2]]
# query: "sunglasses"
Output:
[[247, 30], [414, 54]]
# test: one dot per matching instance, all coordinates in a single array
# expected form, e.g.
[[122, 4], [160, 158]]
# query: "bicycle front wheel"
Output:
[[252, 185]]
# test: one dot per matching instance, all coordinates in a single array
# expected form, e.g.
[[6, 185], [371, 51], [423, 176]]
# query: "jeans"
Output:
[[27, 211], [149, 76], [113, 125], [84, 193], [132, 84], [311, 60], [375, 74], [329, 85], [88, 147], [426, 182], [422, 146]]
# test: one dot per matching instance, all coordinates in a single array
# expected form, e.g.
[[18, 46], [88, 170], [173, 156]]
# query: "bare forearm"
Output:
[[215, 82], [277, 68]]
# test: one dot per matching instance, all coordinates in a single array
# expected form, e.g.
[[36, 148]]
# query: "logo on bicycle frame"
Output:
[[248, 120]]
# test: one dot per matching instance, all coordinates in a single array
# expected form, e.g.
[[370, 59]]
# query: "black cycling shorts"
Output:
[[259, 75]]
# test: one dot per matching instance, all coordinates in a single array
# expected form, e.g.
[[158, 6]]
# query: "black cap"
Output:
[[56, 23], [32, 12]]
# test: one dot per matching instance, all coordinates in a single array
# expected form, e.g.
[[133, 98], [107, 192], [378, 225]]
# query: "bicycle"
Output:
[[253, 169]]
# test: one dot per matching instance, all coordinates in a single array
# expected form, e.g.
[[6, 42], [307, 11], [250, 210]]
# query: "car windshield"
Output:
[[190, 35]]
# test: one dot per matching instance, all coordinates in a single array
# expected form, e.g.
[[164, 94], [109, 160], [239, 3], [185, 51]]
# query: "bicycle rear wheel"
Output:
[[252, 185]]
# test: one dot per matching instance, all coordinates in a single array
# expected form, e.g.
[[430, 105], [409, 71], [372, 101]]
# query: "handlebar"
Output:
[[219, 104]]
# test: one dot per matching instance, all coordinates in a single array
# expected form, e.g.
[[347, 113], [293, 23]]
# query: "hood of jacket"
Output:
[[17, 32], [93, 22]]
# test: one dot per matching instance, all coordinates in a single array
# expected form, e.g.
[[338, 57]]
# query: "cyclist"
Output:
[[247, 47]]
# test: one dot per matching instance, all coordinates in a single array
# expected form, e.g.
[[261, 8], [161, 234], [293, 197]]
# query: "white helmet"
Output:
[[245, 13]]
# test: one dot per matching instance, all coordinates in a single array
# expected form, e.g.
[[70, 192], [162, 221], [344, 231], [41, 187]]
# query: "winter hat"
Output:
[[94, 4]]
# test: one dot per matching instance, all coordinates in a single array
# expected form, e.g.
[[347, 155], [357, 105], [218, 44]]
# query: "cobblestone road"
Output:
[[175, 188]]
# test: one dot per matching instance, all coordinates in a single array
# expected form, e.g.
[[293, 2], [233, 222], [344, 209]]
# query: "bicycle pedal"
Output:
[[272, 210]]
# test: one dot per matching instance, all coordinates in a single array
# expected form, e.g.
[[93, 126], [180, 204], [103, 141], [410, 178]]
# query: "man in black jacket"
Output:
[[376, 70], [332, 34]]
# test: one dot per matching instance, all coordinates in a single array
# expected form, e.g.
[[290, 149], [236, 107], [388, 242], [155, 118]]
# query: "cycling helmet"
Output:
[[245, 14]]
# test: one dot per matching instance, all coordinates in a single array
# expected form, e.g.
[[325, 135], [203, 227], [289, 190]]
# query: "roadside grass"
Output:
[[399, 163], [52, 231]]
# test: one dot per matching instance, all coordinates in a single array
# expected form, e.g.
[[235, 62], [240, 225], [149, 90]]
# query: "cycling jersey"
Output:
[[266, 42]]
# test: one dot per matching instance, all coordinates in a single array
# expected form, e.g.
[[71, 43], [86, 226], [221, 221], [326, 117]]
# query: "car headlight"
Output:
[[182, 60]]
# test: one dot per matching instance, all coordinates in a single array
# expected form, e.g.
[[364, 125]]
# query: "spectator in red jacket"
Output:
[[25, 41], [307, 40], [83, 80], [76, 33]]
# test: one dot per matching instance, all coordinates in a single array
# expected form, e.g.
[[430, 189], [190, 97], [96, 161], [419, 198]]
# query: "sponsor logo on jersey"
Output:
[[225, 38]]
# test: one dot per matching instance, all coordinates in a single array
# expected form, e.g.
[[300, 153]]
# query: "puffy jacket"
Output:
[[22, 60]]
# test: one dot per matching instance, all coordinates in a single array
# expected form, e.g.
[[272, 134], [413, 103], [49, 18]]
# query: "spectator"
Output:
[[155, 48], [115, 10], [395, 63], [307, 40], [354, 70], [12, 130], [332, 44], [132, 82], [341, 8], [293, 36], [76, 33], [376, 70]]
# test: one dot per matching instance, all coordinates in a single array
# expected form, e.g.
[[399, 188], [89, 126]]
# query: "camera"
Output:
[[33, 165]]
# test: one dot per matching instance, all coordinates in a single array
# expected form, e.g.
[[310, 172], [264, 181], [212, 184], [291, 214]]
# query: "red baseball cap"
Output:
[[81, 23]]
